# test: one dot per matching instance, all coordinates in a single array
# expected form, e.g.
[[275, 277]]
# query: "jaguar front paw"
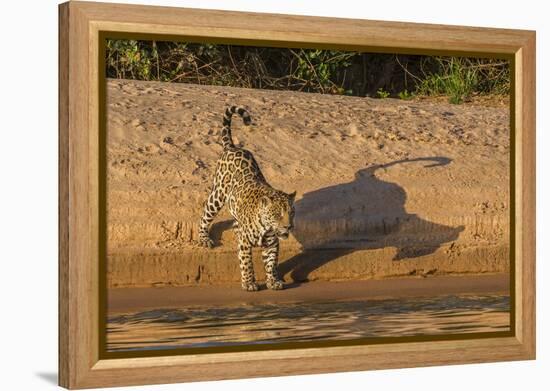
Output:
[[206, 242], [250, 286], [275, 285]]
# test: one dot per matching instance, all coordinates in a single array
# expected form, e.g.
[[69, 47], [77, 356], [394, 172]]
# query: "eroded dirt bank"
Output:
[[385, 187]]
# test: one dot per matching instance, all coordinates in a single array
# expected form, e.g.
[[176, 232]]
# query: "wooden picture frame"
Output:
[[80, 165]]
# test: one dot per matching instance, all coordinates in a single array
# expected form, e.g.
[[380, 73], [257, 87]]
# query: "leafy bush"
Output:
[[319, 67]]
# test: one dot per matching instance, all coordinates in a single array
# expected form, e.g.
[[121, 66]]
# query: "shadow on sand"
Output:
[[367, 213]]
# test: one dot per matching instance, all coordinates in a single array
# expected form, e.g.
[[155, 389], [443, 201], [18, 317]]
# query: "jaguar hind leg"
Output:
[[212, 206]]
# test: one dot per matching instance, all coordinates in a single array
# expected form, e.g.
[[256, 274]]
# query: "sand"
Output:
[[128, 300], [386, 188]]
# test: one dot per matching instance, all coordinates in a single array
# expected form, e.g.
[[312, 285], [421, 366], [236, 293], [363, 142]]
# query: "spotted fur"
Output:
[[262, 214]]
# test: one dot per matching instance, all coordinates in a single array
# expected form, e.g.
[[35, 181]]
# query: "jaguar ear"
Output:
[[292, 195]]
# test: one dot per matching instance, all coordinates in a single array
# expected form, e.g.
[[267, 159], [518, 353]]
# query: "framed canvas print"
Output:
[[247, 195]]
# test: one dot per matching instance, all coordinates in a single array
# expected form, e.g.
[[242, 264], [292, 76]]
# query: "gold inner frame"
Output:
[[102, 210]]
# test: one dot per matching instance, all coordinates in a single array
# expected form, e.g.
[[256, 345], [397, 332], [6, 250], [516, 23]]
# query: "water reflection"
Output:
[[272, 323]]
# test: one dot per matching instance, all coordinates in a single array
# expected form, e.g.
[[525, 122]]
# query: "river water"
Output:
[[170, 328]]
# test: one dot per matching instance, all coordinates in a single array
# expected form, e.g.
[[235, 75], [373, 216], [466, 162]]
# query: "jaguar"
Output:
[[263, 215]]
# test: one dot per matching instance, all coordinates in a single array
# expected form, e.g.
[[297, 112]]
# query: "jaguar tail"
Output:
[[227, 140]]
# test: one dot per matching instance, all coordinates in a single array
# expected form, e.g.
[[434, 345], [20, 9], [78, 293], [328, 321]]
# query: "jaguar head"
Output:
[[278, 213]]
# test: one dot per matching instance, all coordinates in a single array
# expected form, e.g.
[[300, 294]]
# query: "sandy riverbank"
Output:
[[142, 299], [386, 188]]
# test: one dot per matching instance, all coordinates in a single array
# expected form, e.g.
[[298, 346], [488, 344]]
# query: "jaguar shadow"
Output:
[[367, 213]]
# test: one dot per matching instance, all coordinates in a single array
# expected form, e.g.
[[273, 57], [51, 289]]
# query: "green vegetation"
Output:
[[461, 78], [382, 94], [309, 70], [318, 67], [405, 95]]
